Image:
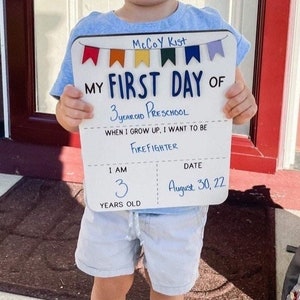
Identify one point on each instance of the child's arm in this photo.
(71, 109)
(240, 106)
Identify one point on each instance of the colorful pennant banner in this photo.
(168, 54)
(90, 53)
(117, 55)
(190, 52)
(143, 55)
(215, 48)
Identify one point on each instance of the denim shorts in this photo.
(110, 243)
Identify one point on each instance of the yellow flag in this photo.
(142, 55)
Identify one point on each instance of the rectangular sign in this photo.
(159, 137)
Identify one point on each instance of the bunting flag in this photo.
(92, 53)
(142, 55)
(190, 52)
(168, 54)
(117, 55)
(215, 47)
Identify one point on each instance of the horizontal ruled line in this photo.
(156, 124)
(155, 162)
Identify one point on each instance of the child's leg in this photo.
(172, 246)
(158, 296)
(107, 251)
(113, 288)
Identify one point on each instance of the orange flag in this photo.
(117, 55)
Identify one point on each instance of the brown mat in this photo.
(39, 223)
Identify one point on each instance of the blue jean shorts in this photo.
(110, 243)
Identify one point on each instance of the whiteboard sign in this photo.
(159, 137)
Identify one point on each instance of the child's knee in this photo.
(105, 288)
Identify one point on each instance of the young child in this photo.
(109, 243)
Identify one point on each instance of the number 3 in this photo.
(123, 189)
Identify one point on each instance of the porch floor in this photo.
(244, 254)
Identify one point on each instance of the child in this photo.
(109, 242)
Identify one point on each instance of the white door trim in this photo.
(291, 91)
(4, 70)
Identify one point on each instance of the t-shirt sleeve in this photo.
(65, 75)
(243, 45)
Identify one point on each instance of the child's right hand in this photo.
(71, 109)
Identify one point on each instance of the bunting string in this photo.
(142, 56)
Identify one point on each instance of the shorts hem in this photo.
(104, 274)
(172, 291)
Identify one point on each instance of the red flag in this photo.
(90, 53)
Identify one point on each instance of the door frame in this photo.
(291, 107)
(27, 125)
(261, 153)
(258, 153)
(3, 71)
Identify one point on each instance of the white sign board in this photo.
(159, 137)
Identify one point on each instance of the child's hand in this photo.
(71, 109)
(240, 105)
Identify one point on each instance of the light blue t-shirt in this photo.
(185, 18)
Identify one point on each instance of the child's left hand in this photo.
(240, 105)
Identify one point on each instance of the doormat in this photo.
(39, 224)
